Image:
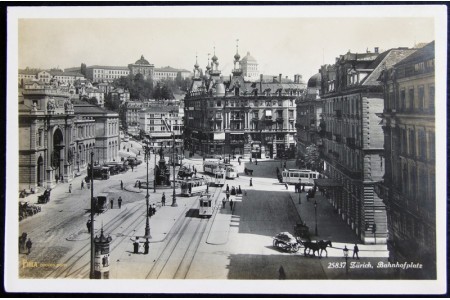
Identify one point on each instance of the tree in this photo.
(83, 69)
(112, 103)
(312, 159)
(138, 87)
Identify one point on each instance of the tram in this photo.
(205, 208)
(230, 171)
(193, 186)
(211, 166)
(219, 178)
(306, 176)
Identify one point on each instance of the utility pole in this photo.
(92, 217)
(174, 199)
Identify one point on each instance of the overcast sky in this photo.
(291, 45)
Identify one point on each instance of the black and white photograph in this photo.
(225, 149)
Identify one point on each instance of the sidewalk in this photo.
(331, 227)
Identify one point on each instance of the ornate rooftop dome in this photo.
(314, 81)
(248, 58)
(142, 61)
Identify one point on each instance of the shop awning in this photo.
(327, 183)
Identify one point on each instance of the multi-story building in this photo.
(249, 68)
(56, 137)
(46, 136)
(353, 147)
(143, 67)
(309, 113)
(107, 141)
(240, 117)
(120, 94)
(96, 93)
(165, 73)
(106, 73)
(160, 122)
(408, 187)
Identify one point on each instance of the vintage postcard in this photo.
(226, 149)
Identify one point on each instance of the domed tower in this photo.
(215, 73)
(143, 67)
(237, 71)
(196, 70)
(249, 67)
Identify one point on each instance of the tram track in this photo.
(66, 267)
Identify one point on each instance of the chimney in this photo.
(260, 82)
(274, 79)
(376, 49)
(279, 76)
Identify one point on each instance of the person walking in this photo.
(223, 202)
(228, 188)
(251, 182)
(82, 184)
(281, 273)
(121, 185)
(154, 208)
(89, 226)
(119, 201)
(256, 161)
(112, 203)
(29, 244)
(163, 199)
(239, 161)
(231, 204)
(70, 188)
(228, 195)
(355, 251)
(286, 185)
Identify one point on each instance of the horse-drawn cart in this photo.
(45, 197)
(286, 241)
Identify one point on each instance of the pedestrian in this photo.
(70, 188)
(163, 199)
(231, 204)
(239, 190)
(119, 201)
(250, 159)
(223, 202)
(89, 226)
(139, 183)
(228, 188)
(132, 168)
(296, 187)
(195, 172)
(29, 244)
(228, 196)
(121, 185)
(112, 203)
(82, 184)
(303, 187)
(286, 185)
(355, 251)
(251, 182)
(154, 208)
(207, 188)
(281, 273)
(256, 161)
(56, 178)
(239, 160)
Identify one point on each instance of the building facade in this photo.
(309, 114)
(143, 67)
(239, 117)
(106, 73)
(408, 188)
(160, 122)
(353, 150)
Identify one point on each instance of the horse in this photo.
(314, 246)
(323, 244)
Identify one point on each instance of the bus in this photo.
(306, 176)
(205, 206)
(193, 186)
(219, 177)
(230, 171)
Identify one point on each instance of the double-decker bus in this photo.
(306, 176)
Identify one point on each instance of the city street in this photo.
(232, 244)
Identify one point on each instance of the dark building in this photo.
(408, 187)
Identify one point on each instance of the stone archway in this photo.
(58, 153)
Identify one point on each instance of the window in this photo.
(421, 94)
(411, 99)
(431, 98)
(402, 99)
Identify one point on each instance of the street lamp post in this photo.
(154, 170)
(147, 197)
(315, 213)
(346, 260)
(174, 199)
